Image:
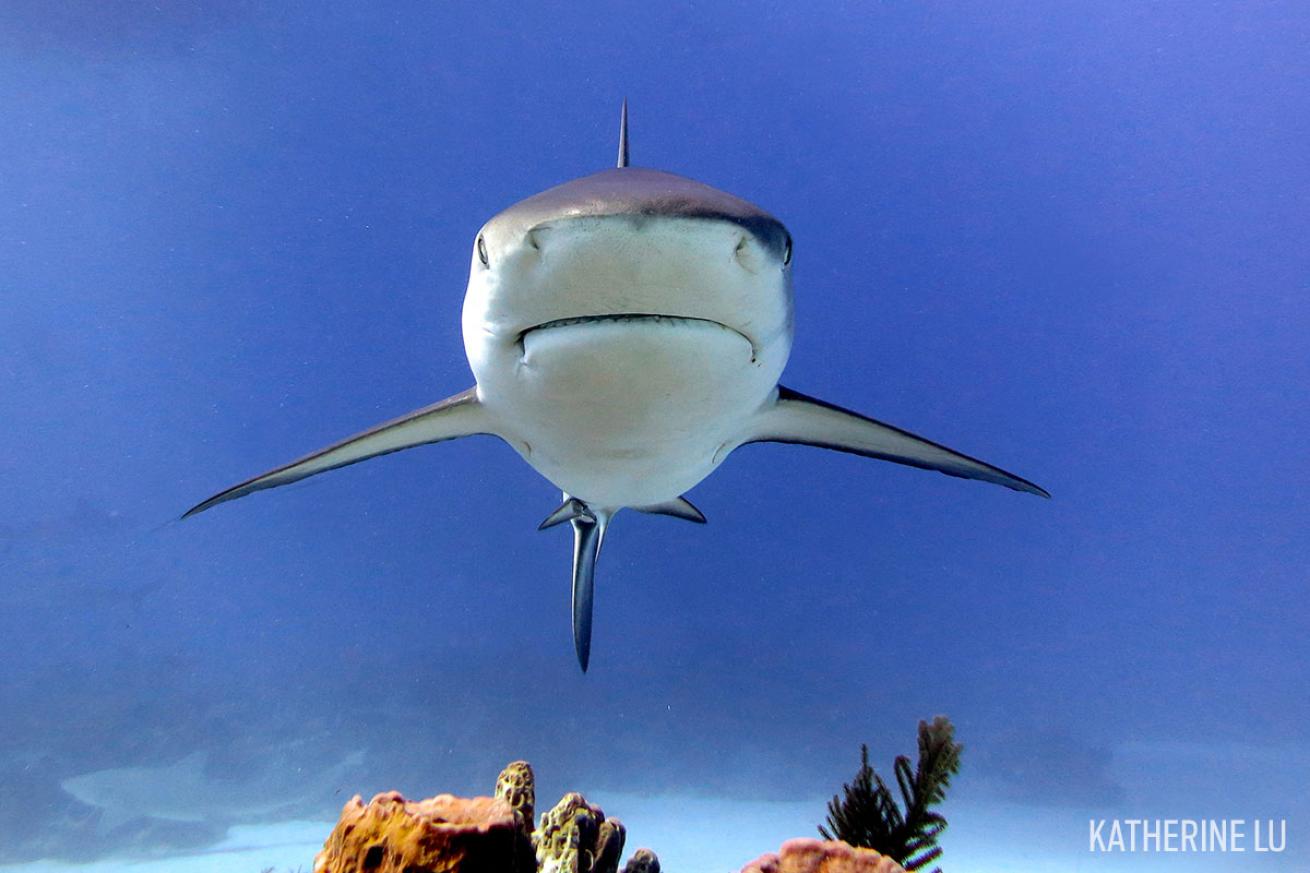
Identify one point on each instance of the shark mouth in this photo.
(638, 318)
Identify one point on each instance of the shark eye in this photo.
(482, 252)
(786, 251)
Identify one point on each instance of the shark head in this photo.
(622, 324)
(603, 263)
(629, 242)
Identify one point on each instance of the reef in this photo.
(808, 855)
(499, 834)
(642, 861)
(575, 837)
(448, 834)
(517, 786)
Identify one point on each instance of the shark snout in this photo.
(624, 234)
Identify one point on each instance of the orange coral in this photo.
(443, 834)
(818, 856)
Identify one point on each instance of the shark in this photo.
(185, 791)
(627, 331)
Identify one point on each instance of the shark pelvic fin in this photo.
(796, 418)
(588, 534)
(457, 416)
(678, 507)
(570, 509)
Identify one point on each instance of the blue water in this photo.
(1066, 238)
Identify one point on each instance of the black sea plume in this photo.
(867, 815)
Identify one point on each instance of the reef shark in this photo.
(184, 792)
(626, 332)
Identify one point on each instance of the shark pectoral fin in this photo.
(588, 534)
(796, 418)
(457, 416)
(678, 507)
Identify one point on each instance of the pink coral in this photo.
(817, 856)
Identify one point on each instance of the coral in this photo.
(868, 816)
(444, 834)
(815, 856)
(642, 861)
(448, 834)
(575, 837)
(517, 787)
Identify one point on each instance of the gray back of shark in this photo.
(627, 331)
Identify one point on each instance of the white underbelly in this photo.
(618, 414)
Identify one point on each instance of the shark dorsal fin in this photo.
(623, 135)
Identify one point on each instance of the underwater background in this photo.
(1067, 238)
